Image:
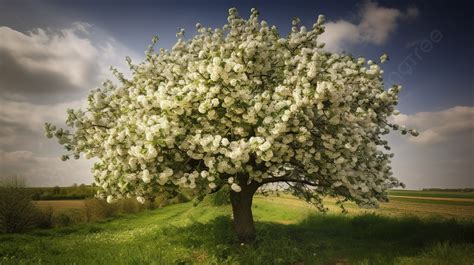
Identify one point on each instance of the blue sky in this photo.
(429, 44)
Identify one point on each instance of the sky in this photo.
(53, 52)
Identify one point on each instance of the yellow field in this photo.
(393, 208)
(397, 208)
(61, 205)
(434, 198)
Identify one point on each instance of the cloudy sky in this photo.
(53, 52)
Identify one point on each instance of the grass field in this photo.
(289, 232)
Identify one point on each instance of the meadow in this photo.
(410, 229)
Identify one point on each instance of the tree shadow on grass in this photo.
(323, 239)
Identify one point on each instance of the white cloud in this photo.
(46, 65)
(375, 25)
(42, 73)
(442, 155)
(436, 127)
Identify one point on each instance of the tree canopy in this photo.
(240, 105)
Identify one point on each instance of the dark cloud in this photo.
(9, 128)
(38, 86)
(46, 66)
(44, 170)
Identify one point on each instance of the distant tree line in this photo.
(74, 192)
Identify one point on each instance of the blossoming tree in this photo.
(240, 106)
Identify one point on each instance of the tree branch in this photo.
(286, 179)
(100, 126)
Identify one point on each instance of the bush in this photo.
(161, 201)
(68, 217)
(128, 205)
(148, 205)
(62, 193)
(44, 217)
(96, 209)
(52, 197)
(17, 211)
(179, 198)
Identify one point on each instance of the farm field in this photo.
(432, 194)
(289, 232)
(416, 203)
(61, 204)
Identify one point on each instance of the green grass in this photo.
(289, 232)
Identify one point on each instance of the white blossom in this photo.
(140, 199)
(235, 187)
(110, 199)
(242, 102)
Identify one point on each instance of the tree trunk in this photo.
(242, 211)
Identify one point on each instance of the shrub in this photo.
(128, 205)
(68, 217)
(17, 211)
(44, 217)
(98, 209)
(51, 197)
(161, 200)
(149, 205)
(62, 219)
(179, 198)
